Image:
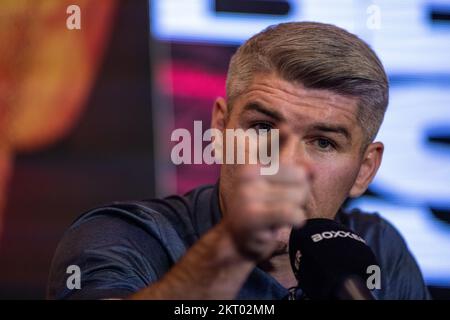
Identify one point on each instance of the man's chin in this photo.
(282, 248)
(270, 263)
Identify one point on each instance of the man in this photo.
(326, 92)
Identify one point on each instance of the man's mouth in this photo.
(282, 248)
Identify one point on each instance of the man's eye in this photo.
(324, 144)
(262, 126)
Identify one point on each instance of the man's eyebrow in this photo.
(333, 129)
(256, 106)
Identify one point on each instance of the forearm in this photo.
(212, 269)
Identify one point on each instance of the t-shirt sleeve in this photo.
(115, 256)
(404, 280)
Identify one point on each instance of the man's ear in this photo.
(369, 167)
(219, 114)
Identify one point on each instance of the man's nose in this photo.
(293, 152)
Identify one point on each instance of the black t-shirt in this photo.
(124, 247)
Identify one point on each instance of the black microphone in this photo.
(330, 261)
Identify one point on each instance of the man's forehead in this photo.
(293, 100)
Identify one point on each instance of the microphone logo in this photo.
(335, 234)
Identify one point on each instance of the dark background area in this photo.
(107, 157)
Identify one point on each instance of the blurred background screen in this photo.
(412, 189)
(75, 125)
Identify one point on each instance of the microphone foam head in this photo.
(323, 253)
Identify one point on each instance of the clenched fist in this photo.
(261, 206)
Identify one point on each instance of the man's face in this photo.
(318, 130)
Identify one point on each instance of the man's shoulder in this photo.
(128, 243)
(179, 214)
(368, 224)
(400, 275)
(383, 237)
(380, 235)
